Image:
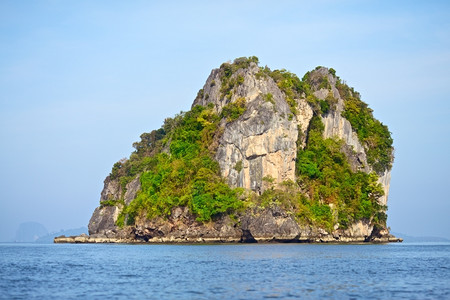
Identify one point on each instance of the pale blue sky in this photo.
(81, 80)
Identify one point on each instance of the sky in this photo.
(80, 81)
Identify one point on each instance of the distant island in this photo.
(261, 156)
(34, 232)
(29, 232)
(49, 238)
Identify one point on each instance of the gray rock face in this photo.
(103, 221)
(271, 225)
(104, 218)
(262, 142)
(182, 226)
(385, 181)
(131, 190)
(111, 190)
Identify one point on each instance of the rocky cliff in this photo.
(262, 156)
(264, 140)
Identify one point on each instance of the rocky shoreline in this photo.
(85, 239)
(269, 225)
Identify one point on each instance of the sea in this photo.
(225, 271)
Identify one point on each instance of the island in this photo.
(262, 156)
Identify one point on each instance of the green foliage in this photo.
(292, 105)
(319, 106)
(234, 110)
(314, 103)
(290, 197)
(148, 142)
(324, 83)
(226, 89)
(268, 179)
(375, 136)
(321, 215)
(324, 106)
(291, 85)
(228, 69)
(239, 63)
(307, 166)
(185, 176)
(332, 71)
(200, 93)
(240, 79)
(263, 72)
(139, 160)
(331, 101)
(244, 62)
(324, 172)
(120, 220)
(111, 203)
(285, 197)
(211, 196)
(294, 88)
(269, 98)
(238, 167)
(345, 91)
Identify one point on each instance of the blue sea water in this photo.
(249, 271)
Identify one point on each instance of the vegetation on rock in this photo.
(234, 110)
(183, 175)
(375, 136)
(327, 179)
(177, 167)
(228, 69)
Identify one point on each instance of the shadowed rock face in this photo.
(260, 143)
(104, 218)
(103, 221)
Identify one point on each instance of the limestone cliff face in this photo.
(258, 146)
(262, 142)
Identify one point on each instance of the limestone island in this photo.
(262, 156)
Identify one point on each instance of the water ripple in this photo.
(273, 271)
